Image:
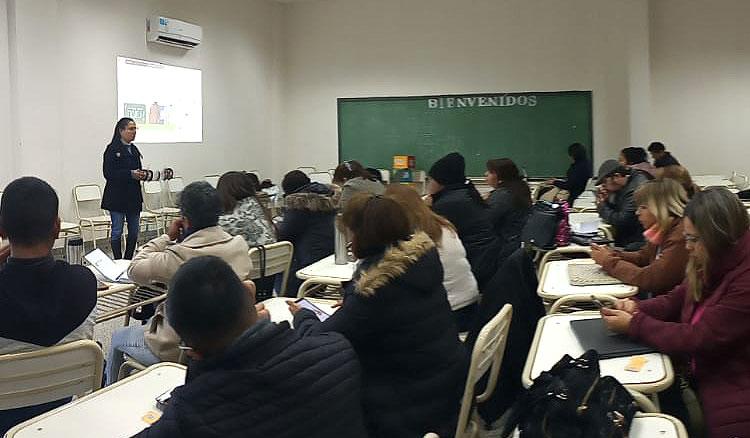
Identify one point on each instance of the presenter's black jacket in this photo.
(270, 383)
(122, 192)
(578, 176)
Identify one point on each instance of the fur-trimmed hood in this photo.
(395, 263)
(313, 197)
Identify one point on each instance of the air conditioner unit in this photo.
(173, 32)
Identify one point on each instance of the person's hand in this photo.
(550, 181)
(601, 195)
(4, 253)
(141, 175)
(600, 253)
(486, 196)
(175, 229)
(263, 313)
(339, 303)
(617, 320)
(627, 305)
(428, 200)
(250, 286)
(293, 307)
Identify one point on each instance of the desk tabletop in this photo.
(113, 412)
(327, 268)
(554, 338)
(555, 283)
(279, 309)
(651, 426)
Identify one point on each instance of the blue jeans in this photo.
(118, 220)
(130, 341)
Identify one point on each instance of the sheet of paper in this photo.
(107, 267)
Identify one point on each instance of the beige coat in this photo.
(159, 260)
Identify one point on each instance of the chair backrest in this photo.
(152, 195)
(320, 177)
(487, 354)
(307, 169)
(88, 199)
(174, 189)
(278, 261)
(579, 302)
(212, 179)
(50, 374)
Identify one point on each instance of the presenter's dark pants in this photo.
(118, 221)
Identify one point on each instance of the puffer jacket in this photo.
(309, 224)
(472, 221)
(397, 317)
(269, 383)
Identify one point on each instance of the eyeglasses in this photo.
(691, 238)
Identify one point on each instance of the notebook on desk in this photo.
(589, 274)
(594, 334)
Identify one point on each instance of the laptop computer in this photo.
(594, 334)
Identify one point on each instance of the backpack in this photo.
(542, 225)
(571, 400)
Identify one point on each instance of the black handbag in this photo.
(572, 401)
(263, 284)
(541, 227)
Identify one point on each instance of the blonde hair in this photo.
(721, 221)
(420, 216)
(665, 199)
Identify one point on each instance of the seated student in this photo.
(308, 222)
(459, 282)
(510, 203)
(682, 176)
(455, 198)
(396, 315)
(616, 205)
(660, 265)
(195, 234)
(243, 214)
(703, 322)
(353, 178)
(43, 301)
(635, 159)
(248, 376)
(578, 174)
(661, 157)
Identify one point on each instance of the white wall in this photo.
(62, 85)
(700, 71)
(351, 48)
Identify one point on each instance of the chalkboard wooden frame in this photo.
(584, 115)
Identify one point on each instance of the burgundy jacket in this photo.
(718, 343)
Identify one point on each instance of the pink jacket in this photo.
(718, 343)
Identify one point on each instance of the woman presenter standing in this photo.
(122, 194)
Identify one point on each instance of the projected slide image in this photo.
(164, 100)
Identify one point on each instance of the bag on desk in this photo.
(572, 401)
(541, 227)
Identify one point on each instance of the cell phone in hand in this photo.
(306, 304)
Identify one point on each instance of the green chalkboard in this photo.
(533, 129)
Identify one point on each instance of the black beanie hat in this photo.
(449, 170)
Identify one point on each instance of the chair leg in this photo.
(127, 367)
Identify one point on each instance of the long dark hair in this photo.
(507, 171)
(233, 187)
(119, 126)
(350, 169)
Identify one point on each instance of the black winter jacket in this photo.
(122, 192)
(619, 211)
(578, 176)
(270, 383)
(507, 219)
(397, 317)
(472, 221)
(309, 224)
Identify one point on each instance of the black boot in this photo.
(116, 248)
(130, 246)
